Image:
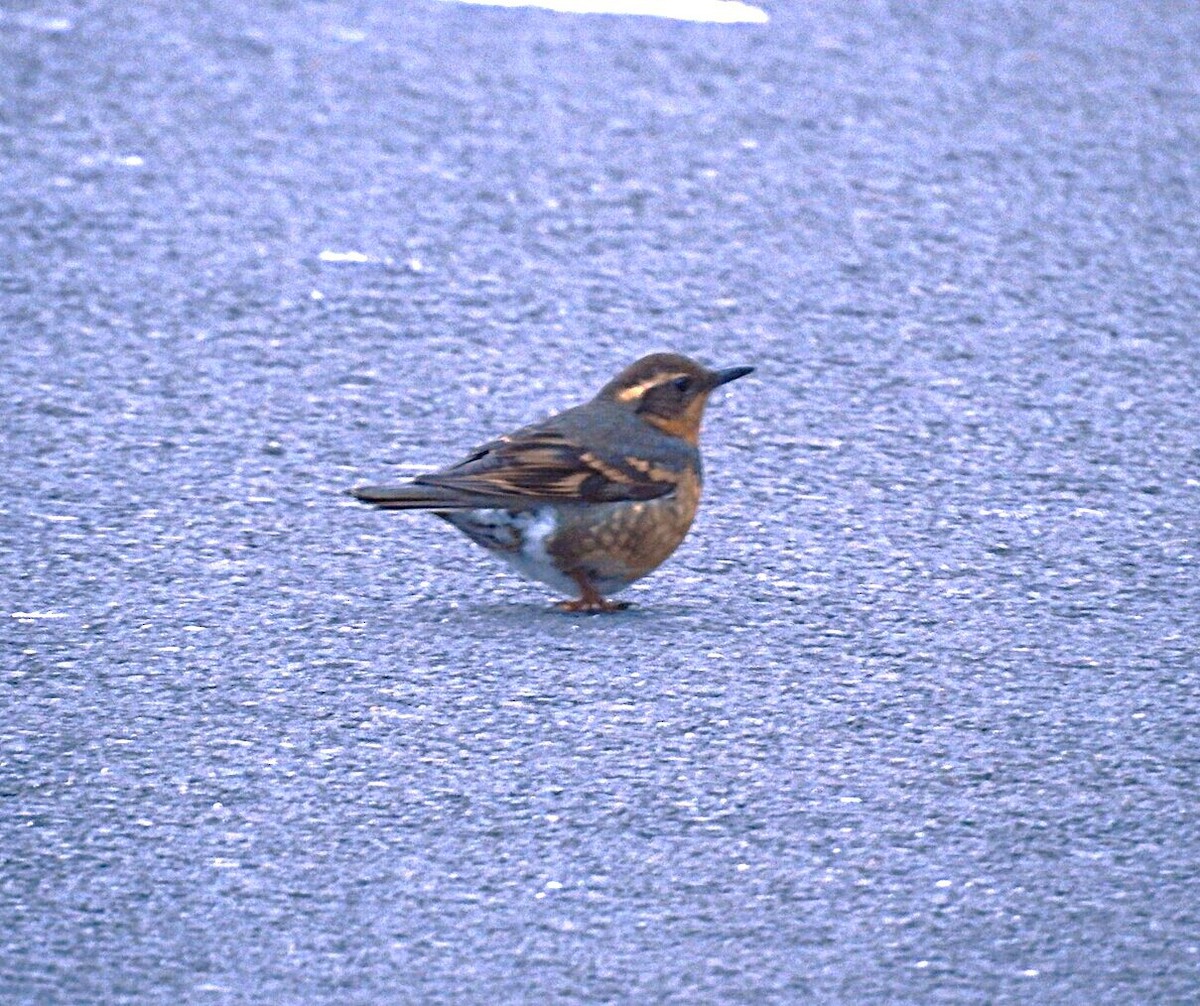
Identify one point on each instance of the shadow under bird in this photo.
(589, 500)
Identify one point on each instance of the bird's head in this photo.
(669, 391)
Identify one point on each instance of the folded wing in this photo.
(546, 465)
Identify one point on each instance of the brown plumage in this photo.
(588, 500)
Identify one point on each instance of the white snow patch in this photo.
(343, 256)
(710, 11)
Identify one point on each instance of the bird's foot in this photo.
(590, 601)
(591, 605)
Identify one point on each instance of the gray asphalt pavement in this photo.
(912, 716)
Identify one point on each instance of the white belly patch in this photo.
(519, 538)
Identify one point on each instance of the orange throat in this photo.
(686, 426)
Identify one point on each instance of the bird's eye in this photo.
(682, 383)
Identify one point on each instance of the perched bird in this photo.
(589, 500)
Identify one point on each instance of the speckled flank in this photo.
(611, 544)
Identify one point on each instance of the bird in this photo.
(591, 499)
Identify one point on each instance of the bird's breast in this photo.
(625, 541)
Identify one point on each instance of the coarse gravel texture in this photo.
(914, 714)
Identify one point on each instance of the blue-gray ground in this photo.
(912, 716)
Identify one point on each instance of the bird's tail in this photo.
(419, 497)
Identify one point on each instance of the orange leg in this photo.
(590, 600)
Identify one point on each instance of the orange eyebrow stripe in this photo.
(637, 390)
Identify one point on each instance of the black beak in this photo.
(731, 374)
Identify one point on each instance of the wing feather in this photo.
(547, 465)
